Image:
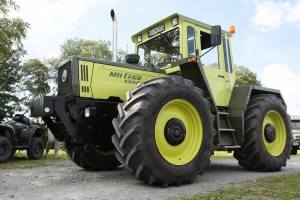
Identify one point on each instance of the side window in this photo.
(211, 57)
(191, 41)
(226, 43)
(143, 57)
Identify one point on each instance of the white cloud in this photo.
(269, 14)
(293, 15)
(280, 77)
(50, 22)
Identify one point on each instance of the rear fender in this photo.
(238, 104)
(8, 132)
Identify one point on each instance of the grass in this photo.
(21, 161)
(270, 188)
(278, 187)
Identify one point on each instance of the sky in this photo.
(267, 38)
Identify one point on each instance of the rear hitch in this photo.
(87, 148)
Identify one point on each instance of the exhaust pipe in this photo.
(114, 46)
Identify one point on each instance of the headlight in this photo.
(87, 112)
(90, 111)
(174, 21)
(139, 38)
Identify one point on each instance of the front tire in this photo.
(267, 137)
(164, 131)
(94, 160)
(35, 151)
(5, 149)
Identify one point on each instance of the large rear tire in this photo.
(267, 137)
(94, 160)
(5, 149)
(164, 131)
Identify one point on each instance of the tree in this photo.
(244, 76)
(86, 48)
(9, 78)
(35, 80)
(12, 30)
(121, 56)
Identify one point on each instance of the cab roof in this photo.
(180, 18)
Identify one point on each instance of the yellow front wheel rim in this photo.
(274, 133)
(105, 153)
(179, 112)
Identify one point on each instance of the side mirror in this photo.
(215, 37)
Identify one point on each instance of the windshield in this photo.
(295, 125)
(163, 48)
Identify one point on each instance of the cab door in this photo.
(229, 67)
(212, 63)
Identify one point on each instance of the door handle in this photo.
(220, 76)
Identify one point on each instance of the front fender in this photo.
(34, 131)
(37, 131)
(30, 133)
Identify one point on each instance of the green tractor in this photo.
(162, 114)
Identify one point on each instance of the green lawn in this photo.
(21, 161)
(284, 187)
(271, 188)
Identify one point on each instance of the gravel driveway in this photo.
(65, 180)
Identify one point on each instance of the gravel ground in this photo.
(65, 180)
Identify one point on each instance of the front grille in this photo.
(84, 73)
(65, 84)
(84, 77)
(37, 107)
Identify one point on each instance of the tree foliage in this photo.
(13, 31)
(9, 78)
(86, 48)
(35, 80)
(244, 76)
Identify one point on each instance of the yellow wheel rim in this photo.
(184, 152)
(105, 153)
(274, 144)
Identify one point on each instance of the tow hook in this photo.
(87, 148)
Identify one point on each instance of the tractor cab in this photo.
(177, 37)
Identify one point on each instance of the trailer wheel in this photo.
(95, 159)
(36, 149)
(5, 149)
(267, 137)
(164, 131)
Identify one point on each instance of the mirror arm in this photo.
(207, 51)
